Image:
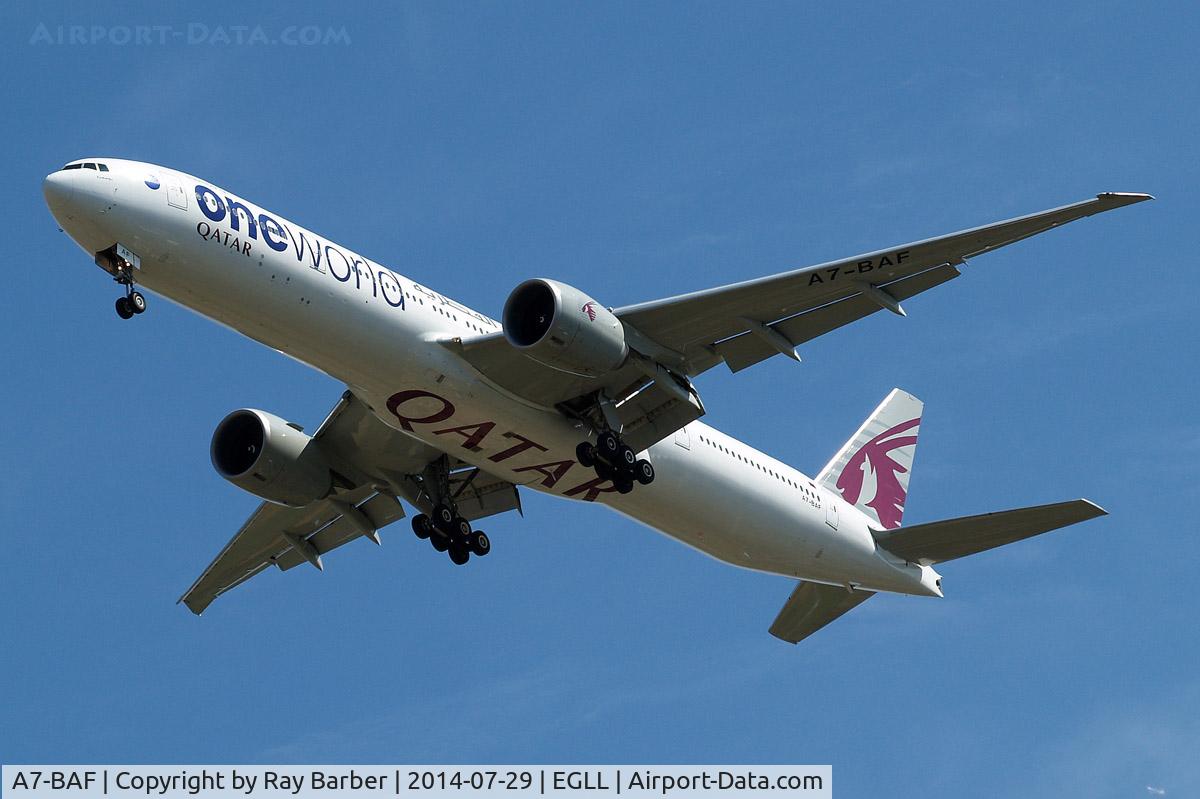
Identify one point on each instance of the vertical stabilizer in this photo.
(871, 471)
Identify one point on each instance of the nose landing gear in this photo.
(133, 303)
(120, 262)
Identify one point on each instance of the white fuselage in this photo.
(376, 331)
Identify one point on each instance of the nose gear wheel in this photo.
(134, 302)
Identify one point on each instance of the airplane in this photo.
(451, 411)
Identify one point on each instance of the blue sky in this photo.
(636, 151)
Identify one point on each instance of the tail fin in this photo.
(871, 470)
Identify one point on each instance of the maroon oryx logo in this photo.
(874, 457)
(589, 308)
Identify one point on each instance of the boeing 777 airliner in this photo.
(452, 411)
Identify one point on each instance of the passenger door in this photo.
(831, 512)
(176, 196)
(683, 439)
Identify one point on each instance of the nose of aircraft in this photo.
(59, 194)
(82, 198)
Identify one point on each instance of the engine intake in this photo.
(261, 453)
(562, 327)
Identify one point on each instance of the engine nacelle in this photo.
(261, 453)
(562, 327)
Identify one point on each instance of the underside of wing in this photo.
(673, 340)
(937, 542)
(374, 465)
(813, 605)
(745, 322)
(647, 403)
(516, 373)
(276, 535)
(747, 349)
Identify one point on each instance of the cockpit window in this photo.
(103, 167)
(89, 166)
(73, 166)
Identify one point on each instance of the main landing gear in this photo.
(133, 303)
(446, 530)
(615, 460)
(450, 533)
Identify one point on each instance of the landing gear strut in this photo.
(133, 302)
(446, 530)
(615, 460)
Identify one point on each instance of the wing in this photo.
(285, 537)
(744, 323)
(375, 466)
(813, 605)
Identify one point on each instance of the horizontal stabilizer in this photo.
(813, 605)
(937, 542)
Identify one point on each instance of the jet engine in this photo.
(261, 453)
(562, 327)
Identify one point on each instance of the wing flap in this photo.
(648, 412)
(480, 494)
(813, 605)
(655, 413)
(509, 369)
(377, 512)
(937, 542)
